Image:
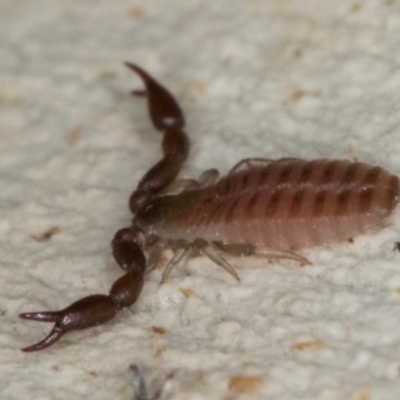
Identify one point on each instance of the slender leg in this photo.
(214, 254)
(236, 249)
(155, 255)
(255, 162)
(181, 185)
(207, 178)
(288, 255)
(241, 249)
(248, 163)
(179, 254)
(97, 309)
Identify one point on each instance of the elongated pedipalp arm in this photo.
(97, 309)
(167, 117)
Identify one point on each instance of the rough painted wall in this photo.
(270, 79)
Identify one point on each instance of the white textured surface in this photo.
(310, 78)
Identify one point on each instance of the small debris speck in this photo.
(135, 12)
(187, 292)
(45, 236)
(311, 344)
(74, 135)
(158, 329)
(241, 383)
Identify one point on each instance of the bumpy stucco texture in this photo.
(272, 79)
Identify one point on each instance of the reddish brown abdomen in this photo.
(286, 205)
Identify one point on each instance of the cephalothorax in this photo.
(265, 207)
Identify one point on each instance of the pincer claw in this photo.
(85, 313)
(51, 338)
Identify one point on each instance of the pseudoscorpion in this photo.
(268, 207)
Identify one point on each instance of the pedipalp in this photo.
(167, 117)
(128, 243)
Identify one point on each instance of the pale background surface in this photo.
(310, 79)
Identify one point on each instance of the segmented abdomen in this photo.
(287, 204)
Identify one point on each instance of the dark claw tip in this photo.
(131, 65)
(51, 338)
(142, 73)
(42, 316)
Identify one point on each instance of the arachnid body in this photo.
(272, 208)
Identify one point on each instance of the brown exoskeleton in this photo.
(266, 207)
